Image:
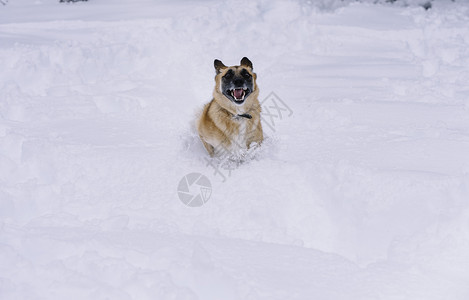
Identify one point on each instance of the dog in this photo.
(231, 121)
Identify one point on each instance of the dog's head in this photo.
(235, 85)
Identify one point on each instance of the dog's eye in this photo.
(245, 74)
(229, 74)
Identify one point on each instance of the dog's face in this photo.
(235, 83)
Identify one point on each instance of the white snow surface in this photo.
(361, 191)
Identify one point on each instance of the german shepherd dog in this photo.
(231, 121)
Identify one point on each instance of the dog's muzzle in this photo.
(238, 94)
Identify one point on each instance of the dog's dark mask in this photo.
(237, 84)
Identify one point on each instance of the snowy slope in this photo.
(360, 191)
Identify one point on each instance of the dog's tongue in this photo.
(238, 93)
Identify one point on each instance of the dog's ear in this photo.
(219, 66)
(246, 62)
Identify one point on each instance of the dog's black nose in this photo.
(238, 82)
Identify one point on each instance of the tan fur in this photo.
(220, 128)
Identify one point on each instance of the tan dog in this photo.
(231, 121)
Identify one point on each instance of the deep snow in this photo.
(361, 192)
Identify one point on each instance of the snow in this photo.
(360, 190)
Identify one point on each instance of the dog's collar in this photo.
(247, 116)
(237, 116)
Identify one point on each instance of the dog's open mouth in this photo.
(238, 95)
